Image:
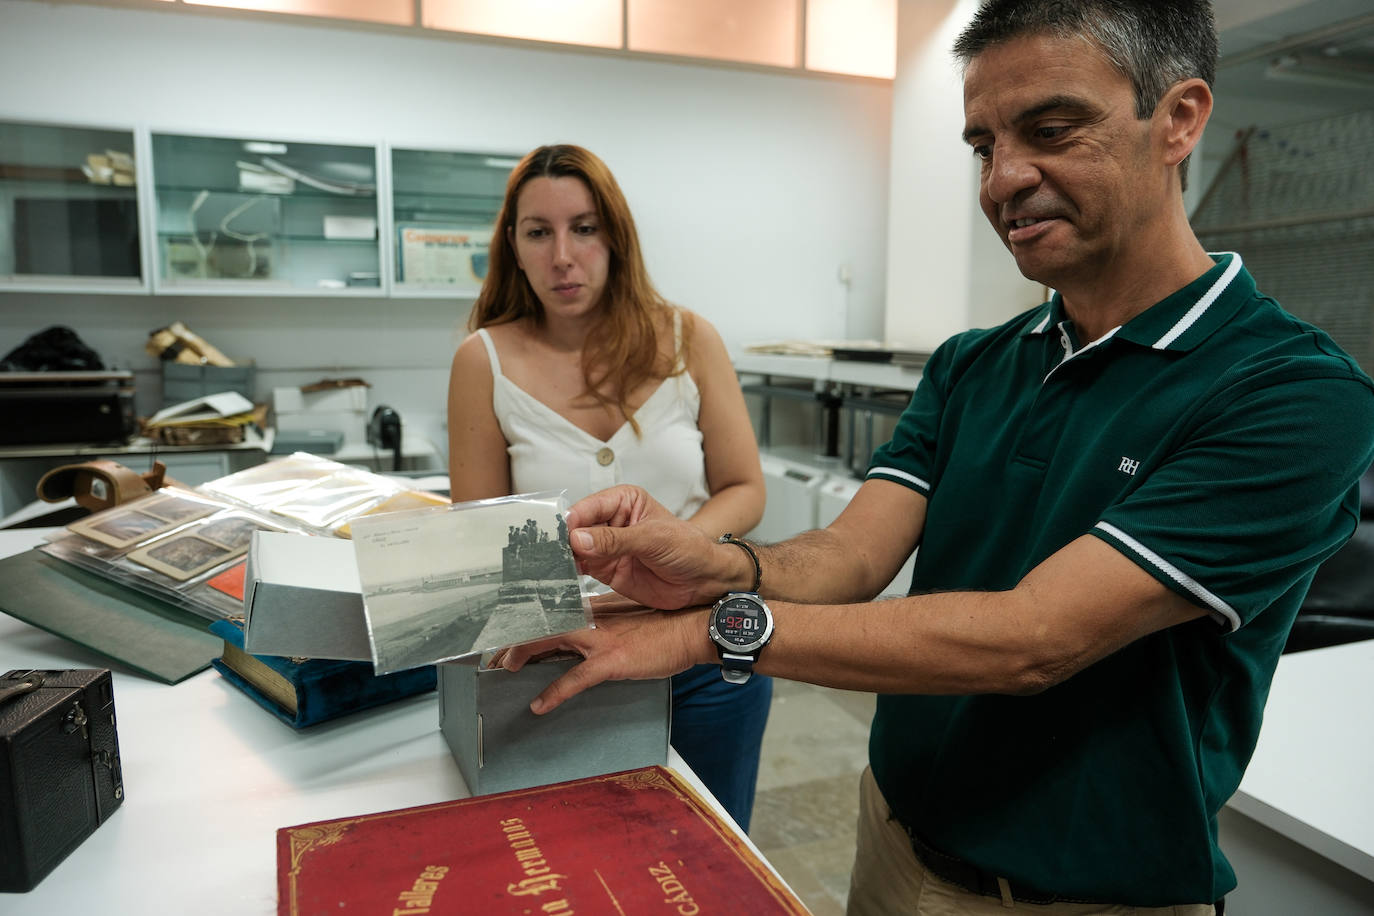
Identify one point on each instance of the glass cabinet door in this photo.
(68, 208)
(249, 214)
(444, 205)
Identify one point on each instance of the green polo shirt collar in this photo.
(1180, 321)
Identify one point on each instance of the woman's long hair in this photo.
(622, 351)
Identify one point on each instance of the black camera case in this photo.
(60, 774)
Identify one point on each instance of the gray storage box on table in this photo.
(499, 744)
(184, 382)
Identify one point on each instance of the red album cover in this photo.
(641, 841)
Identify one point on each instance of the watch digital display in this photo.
(740, 622)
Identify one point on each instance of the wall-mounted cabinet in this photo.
(205, 215)
(236, 215)
(69, 214)
(444, 205)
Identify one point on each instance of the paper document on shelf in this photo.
(210, 407)
(443, 254)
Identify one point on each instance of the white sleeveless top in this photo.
(548, 452)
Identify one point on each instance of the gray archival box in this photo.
(302, 598)
(499, 744)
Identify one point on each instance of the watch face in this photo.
(741, 622)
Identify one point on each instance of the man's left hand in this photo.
(623, 645)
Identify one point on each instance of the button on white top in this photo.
(605, 456)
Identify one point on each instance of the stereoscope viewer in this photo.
(60, 774)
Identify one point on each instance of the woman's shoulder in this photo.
(504, 337)
(471, 356)
(703, 348)
(696, 331)
(475, 353)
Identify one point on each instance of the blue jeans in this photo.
(718, 729)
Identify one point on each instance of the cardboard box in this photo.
(302, 598)
(333, 410)
(292, 400)
(314, 441)
(499, 744)
(182, 382)
(348, 425)
(349, 227)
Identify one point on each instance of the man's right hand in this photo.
(622, 537)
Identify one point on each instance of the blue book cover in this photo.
(302, 692)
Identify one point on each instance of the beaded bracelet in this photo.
(747, 548)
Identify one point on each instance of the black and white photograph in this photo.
(176, 507)
(183, 556)
(233, 531)
(119, 529)
(445, 583)
(133, 523)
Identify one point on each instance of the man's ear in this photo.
(1182, 115)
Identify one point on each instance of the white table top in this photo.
(820, 368)
(1312, 776)
(209, 776)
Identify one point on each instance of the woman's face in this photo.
(560, 244)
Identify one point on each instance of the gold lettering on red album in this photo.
(539, 877)
(674, 891)
(418, 899)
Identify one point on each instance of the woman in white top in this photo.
(581, 376)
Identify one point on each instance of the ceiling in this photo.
(1287, 61)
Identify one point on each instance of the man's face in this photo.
(1070, 177)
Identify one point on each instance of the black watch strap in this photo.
(736, 669)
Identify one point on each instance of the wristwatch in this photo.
(741, 625)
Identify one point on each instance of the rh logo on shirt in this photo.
(1128, 466)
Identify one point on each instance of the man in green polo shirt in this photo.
(1120, 499)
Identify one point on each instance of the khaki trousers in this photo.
(888, 879)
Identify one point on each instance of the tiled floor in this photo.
(814, 749)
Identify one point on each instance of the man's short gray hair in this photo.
(1153, 44)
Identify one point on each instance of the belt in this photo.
(977, 880)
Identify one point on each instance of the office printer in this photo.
(79, 408)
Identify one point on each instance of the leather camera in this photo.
(60, 774)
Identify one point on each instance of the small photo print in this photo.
(232, 532)
(172, 508)
(444, 583)
(138, 521)
(182, 556)
(118, 529)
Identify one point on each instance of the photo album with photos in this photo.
(188, 546)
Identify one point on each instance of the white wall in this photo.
(750, 188)
(946, 269)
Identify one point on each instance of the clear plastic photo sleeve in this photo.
(457, 581)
